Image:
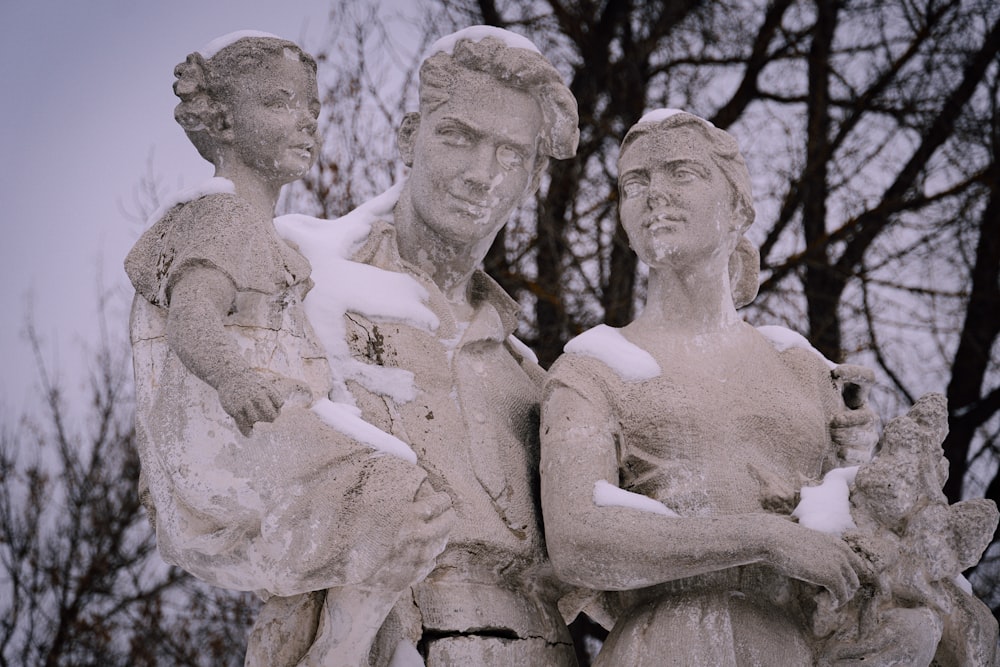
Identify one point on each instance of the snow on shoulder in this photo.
(343, 286)
(213, 186)
(608, 345)
(222, 42)
(785, 339)
(478, 33)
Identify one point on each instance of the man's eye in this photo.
(509, 157)
(454, 137)
(633, 188)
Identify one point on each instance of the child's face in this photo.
(274, 112)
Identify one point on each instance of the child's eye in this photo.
(685, 174)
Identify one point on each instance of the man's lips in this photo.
(475, 207)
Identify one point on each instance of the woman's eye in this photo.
(509, 157)
(684, 174)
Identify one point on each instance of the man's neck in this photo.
(449, 264)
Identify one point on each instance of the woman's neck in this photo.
(688, 300)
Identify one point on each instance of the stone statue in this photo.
(920, 609)
(449, 378)
(254, 478)
(675, 451)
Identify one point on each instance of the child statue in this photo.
(254, 479)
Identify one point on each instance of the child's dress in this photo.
(297, 506)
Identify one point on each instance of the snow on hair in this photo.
(519, 68)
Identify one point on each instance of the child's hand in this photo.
(250, 397)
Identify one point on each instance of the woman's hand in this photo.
(855, 430)
(814, 557)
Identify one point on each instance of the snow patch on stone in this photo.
(213, 186)
(608, 345)
(223, 41)
(783, 339)
(827, 507)
(478, 33)
(347, 419)
(343, 286)
(609, 495)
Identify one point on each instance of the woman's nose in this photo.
(307, 122)
(659, 192)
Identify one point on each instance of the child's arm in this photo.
(199, 301)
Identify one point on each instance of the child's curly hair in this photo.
(206, 85)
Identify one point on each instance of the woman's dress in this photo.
(732, 428)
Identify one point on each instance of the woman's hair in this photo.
(514, 67)
(205, 86)
(720, 146)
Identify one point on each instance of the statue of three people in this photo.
(382, 483)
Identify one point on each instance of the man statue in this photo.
(492, 112)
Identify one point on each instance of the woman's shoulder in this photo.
(794, 349)
(603, 356)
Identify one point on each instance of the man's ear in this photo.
(406, 138)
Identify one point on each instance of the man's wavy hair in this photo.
(205, 86)
(517, 68)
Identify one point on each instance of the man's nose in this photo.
(482, 167)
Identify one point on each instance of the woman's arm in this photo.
(619, 548)
(199, 300)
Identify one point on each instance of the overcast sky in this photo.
(85, 100)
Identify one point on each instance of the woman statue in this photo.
(673, 449)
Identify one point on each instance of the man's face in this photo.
(675, 202)
(473, 159)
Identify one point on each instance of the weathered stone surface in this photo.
(722, 425)
(451, 381)
(251, 485)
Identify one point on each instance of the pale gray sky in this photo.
(85, 99)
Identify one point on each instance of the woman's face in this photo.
(273, 113)
(676, 204)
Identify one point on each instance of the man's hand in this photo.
(422, 536)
